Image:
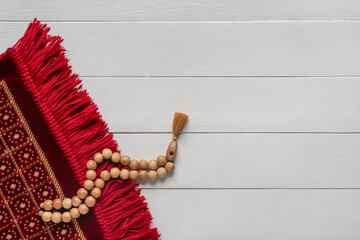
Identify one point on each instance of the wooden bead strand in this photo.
(57, 203)
(115, 172)
(67, 203)
(66, 217)
(124, 174)
(76, 201)
(96, 192)
(67, 209)
(99, 183)
(64, 210)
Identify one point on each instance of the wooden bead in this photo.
(125, 160)
(115, 172)
(66, 217)
(82, 193)
(116, 157)
(98, 158)
(161, 160)
(46, 216)
(90, 201)
(171, 151)
(76, 201)
(57, 203)
(169, 166)
(42, 205)
(96, 192)
(107, 153)
(161, 172)
(105, 175)
(91, 165)
(153, 165)
(67, 203)
(152, 175)
(134, 164)
(99, 183)
(124, 174)
(56, 217)
(88, 185)
(48, 205)
(143, 164)
(143, 174)
(90, 174)
(134, 174)
(83, 209)
(41, 212)
(74, 213)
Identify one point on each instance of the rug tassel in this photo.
(79, 129)
(179, 122)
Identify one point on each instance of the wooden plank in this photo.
(163, 10)
(256, 214)
(229, 104)
(253, 160)
(207, 48)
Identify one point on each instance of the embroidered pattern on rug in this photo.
(26, 179)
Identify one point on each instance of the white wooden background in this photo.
(272, 88)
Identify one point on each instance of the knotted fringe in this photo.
(127, 207)
(78, 128)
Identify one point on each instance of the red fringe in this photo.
(79, 129)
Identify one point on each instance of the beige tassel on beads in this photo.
(178, 124)
(50, 210)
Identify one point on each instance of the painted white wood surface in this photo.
(272, 88)
(256, 214)
(207, 48)
(253, 160)
(173, 10)
(229, 104)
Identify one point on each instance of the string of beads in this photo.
(64, 210)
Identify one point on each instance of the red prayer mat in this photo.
(49, 129)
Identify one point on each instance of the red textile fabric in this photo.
(49, 129)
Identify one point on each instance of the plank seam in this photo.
(239, 76)
(179, 21)
(236, 133)
(261, 189)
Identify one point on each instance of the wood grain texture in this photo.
(256, 214)
(253, 160)
(207, 48)
(229, 104)
(272, 89)
(172, 10)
